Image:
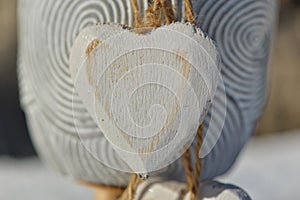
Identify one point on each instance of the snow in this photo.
(268, 169)
(28, 179)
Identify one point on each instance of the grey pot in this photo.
(242, 31)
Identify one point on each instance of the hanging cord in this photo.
(193, 174)
(129, 193)
(162, 12)
(189, 10)
(136, 11)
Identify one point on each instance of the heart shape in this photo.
(147, 89)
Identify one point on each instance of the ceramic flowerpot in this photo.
(62, 129)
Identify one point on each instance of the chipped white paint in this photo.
(147, 89)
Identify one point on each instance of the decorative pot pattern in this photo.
(242, 31)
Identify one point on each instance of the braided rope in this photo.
(193, 175)
(190, 11)
(136, 11)
(128, 194)
(162, 12)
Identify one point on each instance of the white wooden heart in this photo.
(147, 89)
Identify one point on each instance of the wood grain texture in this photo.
(147, 94)
(47, 30)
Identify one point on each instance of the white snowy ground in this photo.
(268, 169)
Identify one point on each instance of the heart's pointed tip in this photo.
(144, 176)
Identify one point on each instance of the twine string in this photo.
(193, 175)
(168, 11)
(189, 10)
(153, 14)
(136, 11)
(162, 12)
(130, 191)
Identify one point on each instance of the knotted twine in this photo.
(161, 12)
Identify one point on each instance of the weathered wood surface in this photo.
(147, 93)
(242, 31)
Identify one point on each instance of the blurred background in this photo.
(274, 150)
(14, 139)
